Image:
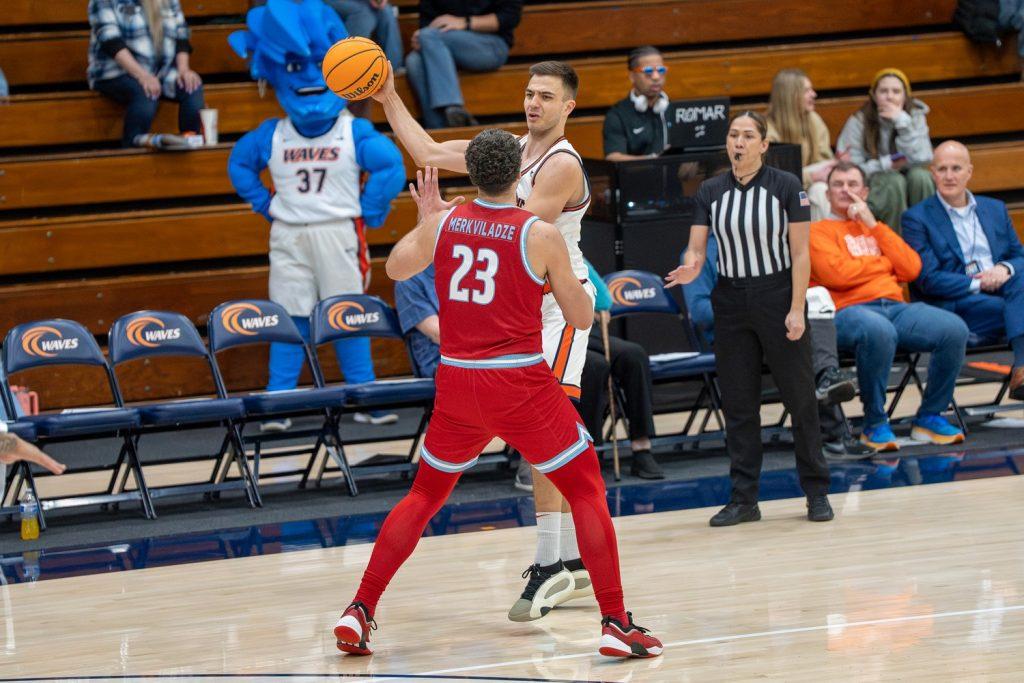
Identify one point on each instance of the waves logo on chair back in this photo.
(349, 316)
(627, 291)
(244, 318)
(149, 332)
(44, 341)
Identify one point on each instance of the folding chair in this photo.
(348, 316)
(46, 343)
(147, 334)
(255, 321)
(640, 292)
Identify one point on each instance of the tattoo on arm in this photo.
(8, 442)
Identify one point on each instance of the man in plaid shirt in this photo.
(139, 52)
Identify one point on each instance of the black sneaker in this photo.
(645, 466)
(457, 117)
(545, 588)
(818, 508)
(736, 513)
(835, 386)
(847, 448)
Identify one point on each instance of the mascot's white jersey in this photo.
(568, 222)
(316, 180)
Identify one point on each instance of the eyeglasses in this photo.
(651, 70)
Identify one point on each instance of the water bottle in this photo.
(29, 509)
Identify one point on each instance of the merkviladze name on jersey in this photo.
(481, 228)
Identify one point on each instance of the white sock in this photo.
(569, 549)
(548, 531)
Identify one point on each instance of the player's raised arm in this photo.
(549, 258)
(415, 251)
(425, 150)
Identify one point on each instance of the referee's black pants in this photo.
(750, 325)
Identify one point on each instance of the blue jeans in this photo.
(286, 360)
(432, 68)
(361, 19)
(140, 110)
(874, 330)
(4, 90)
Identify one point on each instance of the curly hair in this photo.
(493, 158)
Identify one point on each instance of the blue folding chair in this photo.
(255, 321)
(147, 334)
(636, 292)
(348, 316)
(46, 343)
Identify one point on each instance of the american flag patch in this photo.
(804, 201)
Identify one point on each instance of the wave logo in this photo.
(349, 316)
(139, 335)
(627, 291)
(35, 342)
(239, 319)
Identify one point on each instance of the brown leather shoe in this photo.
(1017, 383)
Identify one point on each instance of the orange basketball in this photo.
(355, 68)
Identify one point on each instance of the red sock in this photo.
(402, 530)
(581, 483)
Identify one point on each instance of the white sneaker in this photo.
(582, 586)
(276, 425)
(377, 417)
(546, 588)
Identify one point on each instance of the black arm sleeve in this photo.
(798, 206)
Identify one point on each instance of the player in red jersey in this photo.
(491, 262)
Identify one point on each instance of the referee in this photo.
(761, 219)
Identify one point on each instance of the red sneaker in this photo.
(629, 641)
(353, 630)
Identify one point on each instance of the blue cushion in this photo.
(25, 430)
(192, 411)
(84, 423)
(294, 401)
(390, 391)
(683, 367)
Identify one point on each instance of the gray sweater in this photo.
(912, 139)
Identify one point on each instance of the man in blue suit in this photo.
(972, 262)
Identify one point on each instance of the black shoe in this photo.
(736, 513)
(835, 386)
(818, 508)
(847, 448)
(645, 466)
(458, 117)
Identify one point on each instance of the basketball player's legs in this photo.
(451, 446)
(292, 285)
(547, 431)
(557, 557)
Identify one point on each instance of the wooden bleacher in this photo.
(79, 253)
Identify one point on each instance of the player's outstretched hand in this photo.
(387, 88)
(15, 449)
(427, 194)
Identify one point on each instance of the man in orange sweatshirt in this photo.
(864, 264)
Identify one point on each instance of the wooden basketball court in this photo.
(914, 583)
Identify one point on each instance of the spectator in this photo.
(972, 260)
(416, 302)
(863, 263)
(635, 128)
(139, 52)
(1011, 18)
(631, 368)
(888, 139)
(376, 19)
(833, 386)
(792, 119)
(474, 35)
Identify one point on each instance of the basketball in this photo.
(355, 68)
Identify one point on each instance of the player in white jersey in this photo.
(554, 187)
(317, 211)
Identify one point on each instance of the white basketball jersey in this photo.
(316, 180)
(568, 222)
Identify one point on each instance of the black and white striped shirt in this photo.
(751, 222)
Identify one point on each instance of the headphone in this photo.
(640, 102)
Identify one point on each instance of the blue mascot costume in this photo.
(316, 156)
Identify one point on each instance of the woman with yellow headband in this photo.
(888, 138)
